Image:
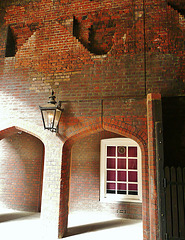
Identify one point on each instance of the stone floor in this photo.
(15, 225)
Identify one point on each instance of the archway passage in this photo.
(21, 170)
(84, 183)
(85, 180)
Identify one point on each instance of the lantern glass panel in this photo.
(57, 117)
(48, 116)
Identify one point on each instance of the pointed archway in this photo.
(123, 130)
(52, 170)
(21, 170)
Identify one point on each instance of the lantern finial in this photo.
(52, 98)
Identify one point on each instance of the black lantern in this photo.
(51, 114)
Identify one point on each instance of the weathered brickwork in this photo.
(102, 59)
(126, 32)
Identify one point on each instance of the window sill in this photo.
(114, 200)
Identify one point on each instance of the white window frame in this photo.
(105, 197)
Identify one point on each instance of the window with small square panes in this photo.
(120, 170)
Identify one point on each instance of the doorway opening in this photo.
(87, 213)
(21, 171)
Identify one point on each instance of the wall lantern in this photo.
(51, 114)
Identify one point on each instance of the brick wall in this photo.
(58, 59)
(101, 58)
(154, 115)
(21, 172)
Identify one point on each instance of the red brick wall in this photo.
(142, 43)
(154, 115)
(21, 170)
(127, 33)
